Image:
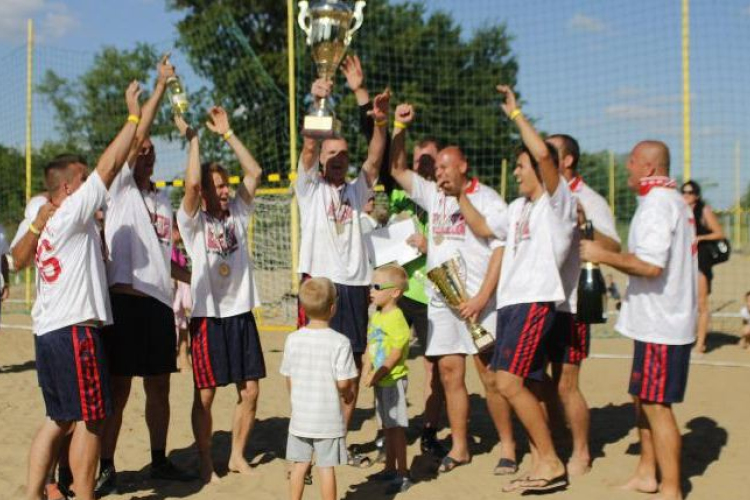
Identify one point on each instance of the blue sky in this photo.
(606, 71)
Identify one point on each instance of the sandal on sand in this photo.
(539, 485)
(505, 467)
(448, 463)
(359, 460)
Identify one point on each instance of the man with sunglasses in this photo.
(141, 342)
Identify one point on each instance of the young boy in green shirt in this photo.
(387, 349)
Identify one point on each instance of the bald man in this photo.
(658, 312)
(448, 339)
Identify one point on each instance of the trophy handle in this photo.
(358, 18)
(303, 19)
(463, 272)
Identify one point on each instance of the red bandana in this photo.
(649, 183)
(575, 183)
(473, 186)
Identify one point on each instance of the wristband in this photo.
(226, 135)
(401, 125)
(134, 119)
(34, 230)
(381, 123)
(515, 114)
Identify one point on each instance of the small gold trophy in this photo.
(447, 279)
(329, 26)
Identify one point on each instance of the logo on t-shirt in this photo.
(48, 265)
(376, 339)
(163, 227)
(449, 225)
(221, 238)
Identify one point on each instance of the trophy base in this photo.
(321, 127)
(484, 342)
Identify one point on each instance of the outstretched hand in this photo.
(381, 106)
(164, 69)
(405, 113)
(510, 103)
(352, 70)
(132, 94)
(321, 88)
(218, 120)
(183, 127)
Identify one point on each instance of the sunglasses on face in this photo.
(382, 286)
(685, 191)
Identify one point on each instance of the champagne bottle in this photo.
(177, 96)
(592, 290)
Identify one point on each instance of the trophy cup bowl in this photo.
(329, 26)
(446, 279)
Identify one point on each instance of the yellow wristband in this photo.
(402, 125)
(134, 119)
(229, 133)
(515, 114)
(34, 230)
(381, 123)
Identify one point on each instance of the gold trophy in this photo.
(329, 26)
(446, 279)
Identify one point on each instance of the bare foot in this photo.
(239, 466)
(578, 467)
(641, 484)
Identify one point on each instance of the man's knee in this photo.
(567, 385)
(508, 385)
(249, 392)
(156, 386)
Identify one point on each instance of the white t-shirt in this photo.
(71, 282)
(29, 214)
(745, 314)
(216, 245)
(538, 237)
(315, 360)
(449, 234)
(598, 212)
(331, 230)
(662, 310)
(138, 232)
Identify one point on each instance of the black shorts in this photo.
(660, 372)
(520, 342)
(226, 351)
(416, 315)
(72, 372)
(142, 341)
(350, 318)
(569, 340)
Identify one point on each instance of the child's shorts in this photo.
(390, 404)
(329, 452)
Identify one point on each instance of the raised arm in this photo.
(399, 166)
(192, 199)
(24, 250)
(376, 150)
(310, 146)
(476, 221)
(355, 78)
(163, 71)
(114, 156)
(251, 172)
(532, 140)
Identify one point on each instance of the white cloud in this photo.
(587, 24)
(633, 112)
(52, 19)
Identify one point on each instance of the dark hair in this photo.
(699, 203)
(552, 150)
(570, 147)
(209, 168)
(55, 170)
(426, 141)
(695, 187)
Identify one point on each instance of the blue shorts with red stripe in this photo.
(660, 372)
(520, 342)
(226, 351)
(569, 340)
(73, 375)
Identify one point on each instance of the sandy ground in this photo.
(713, 421)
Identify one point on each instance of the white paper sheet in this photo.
(388, 244)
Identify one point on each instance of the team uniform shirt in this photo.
(138, 233)
(597, 211)
(29, 214)
(215, 245)
(71, 282)
(449, 234)
(388, 331)
(315, 359)
(662, 310)
(538, 236)
(331, 228)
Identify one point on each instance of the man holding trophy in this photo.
(465, 267)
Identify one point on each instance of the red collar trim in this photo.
(473, 186)
(648, 183)
(575, 183)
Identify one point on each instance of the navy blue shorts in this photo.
(520, 342)
(660, 372)
(569, 340)
(226, 351)
(72, 372)
(350, 318)
(142, 340)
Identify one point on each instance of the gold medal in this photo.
(339, 228)
(437, 238)
(224, 269)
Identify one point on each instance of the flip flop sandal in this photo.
(505, 467)
(359, 460)
(541, 485)
(449, 463)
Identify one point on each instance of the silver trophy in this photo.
(329, 26)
